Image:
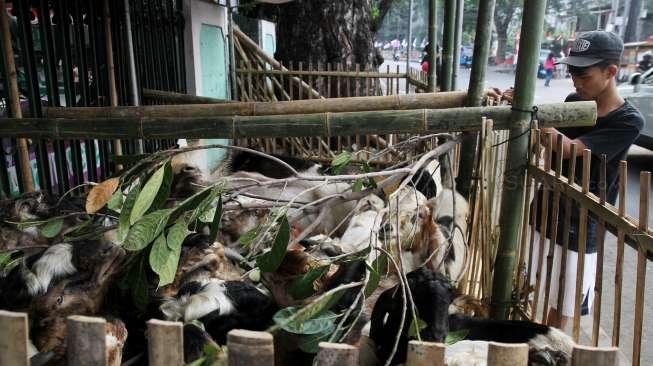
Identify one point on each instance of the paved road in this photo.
(639, 159)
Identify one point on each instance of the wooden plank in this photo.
(644, 192)
(165, 343)
(565, 237)
(425, 354)
(534, 212)
(247, 348)
(336, 354)
(619, 266)
(514, 354)
(600, 246)
(583, 355)
(582, 245)
(86, 341)
(13, 339)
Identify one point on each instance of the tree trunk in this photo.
(630, 34)
(502, 40)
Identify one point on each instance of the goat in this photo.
(221, 306)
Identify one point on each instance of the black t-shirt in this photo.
(612, 135)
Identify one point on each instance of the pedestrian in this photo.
(646, 62)
(593, 63)
(549, 67)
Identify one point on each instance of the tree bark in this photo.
(502, 40)
(630, 34)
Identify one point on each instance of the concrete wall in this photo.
(196, 13)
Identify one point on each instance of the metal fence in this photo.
(61, 58)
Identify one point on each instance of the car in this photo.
(639, 92)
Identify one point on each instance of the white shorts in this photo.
(589, 277)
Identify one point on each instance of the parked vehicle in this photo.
(639, 91)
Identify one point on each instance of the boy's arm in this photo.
(566, 142)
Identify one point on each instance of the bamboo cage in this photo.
(566, 192)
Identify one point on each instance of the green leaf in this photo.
(270, 260)
(456, 336)
(323, 303)
(164, 260)
(116, 200)
(5, 258)
(304, 286)
(86, 229)
(311, 332)
(248, 238)
(148, 194)
(146, 230)
(125, 211)
(342, 159)
(136, 281)
(339, 162)
(192, 202)
(52, 228)
(164, 191)
(358, 185)
(215, 225)
(377, 267)
(205, 204)
(177, 233)
(416, 326)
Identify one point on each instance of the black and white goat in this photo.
(432, 294)
(221, 306)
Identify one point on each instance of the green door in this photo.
(213, 61)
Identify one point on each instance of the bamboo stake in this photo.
(543, 224)
(86, 341)
(250, 348)
(582, 245)
(565, 236)
(336, 354)
(644, 192)
(113, 92)
(621, 238)
(554, 225)
(534, 211)
(14, 97)
(507, 354)
(328, 80)
(583, 355)
(598, 287)
(13, 331)
(425, 354)
(165, 343)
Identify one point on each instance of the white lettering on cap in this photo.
(581, 45)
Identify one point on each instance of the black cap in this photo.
(593, 47)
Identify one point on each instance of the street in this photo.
(639, 159)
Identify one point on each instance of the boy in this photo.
(593, 63)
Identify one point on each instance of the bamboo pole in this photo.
(449, 38)
(433, 36)
(543, 225)
(565, 235)
(513, 194)
(247, 42)
(336, 354)
(355, 104)
(318, 124)
(113, 92)
(582, 245)
(598, 287)
(554, 227)
(180, 98)
(619, 266)
(14, 97)
(507, 354)
(324, 73)
(644, 192)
